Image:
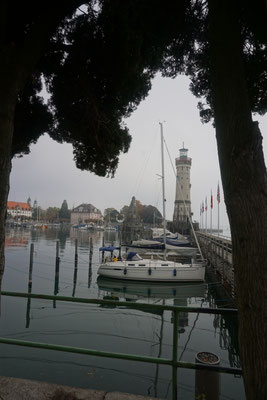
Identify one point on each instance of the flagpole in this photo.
(206, 209)
(218, 199)
(218, 219)
(211, 207)
(203, 216)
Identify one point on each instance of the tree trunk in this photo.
(17, 64)
(245, 190)
(7, 107)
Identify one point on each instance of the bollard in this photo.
(207, 383)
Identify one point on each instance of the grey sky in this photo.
(49, 174)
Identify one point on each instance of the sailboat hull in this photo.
(153, 272)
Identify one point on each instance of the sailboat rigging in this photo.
(135, 267)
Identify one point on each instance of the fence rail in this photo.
(123, 356)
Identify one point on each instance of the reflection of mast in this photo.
(190, 333)
(159, 354)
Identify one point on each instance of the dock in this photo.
(218, 251)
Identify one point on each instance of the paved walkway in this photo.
(25, 389)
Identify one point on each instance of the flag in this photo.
(206, 205)
(200, 209)
(218, 194)
(211, 200)
(202, 206)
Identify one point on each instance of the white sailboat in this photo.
(136, 268)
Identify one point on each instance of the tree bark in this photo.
(6, 134)
(244, 182)
(7, 108)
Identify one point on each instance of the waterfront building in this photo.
(182, 204)
(18, 209)
(84, 214)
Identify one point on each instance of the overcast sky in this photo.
(48, 174)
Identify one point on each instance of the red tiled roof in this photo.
(19, 204)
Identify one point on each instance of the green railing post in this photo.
(175, 354)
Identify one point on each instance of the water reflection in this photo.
(178, 294)
(146, 333)
(17, 238)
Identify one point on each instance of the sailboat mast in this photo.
(163, 188)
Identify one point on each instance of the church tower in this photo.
(182, 204)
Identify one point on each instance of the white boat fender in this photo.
(149, 271)
(125, 271)
(174, 272)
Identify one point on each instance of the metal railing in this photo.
(124, 356)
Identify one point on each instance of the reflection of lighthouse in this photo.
(183, 316)
(182, 204)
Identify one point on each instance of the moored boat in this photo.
(134, 267)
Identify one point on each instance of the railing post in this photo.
(175, 354)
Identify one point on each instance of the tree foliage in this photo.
(110, 215)
(98, 65)
(189, 54)
(97, 68)
(150, 215)
(64, 212)
(52, 214)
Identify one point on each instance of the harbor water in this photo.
(106, 328)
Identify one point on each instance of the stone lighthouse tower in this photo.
(182, 204)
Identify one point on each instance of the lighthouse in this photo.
(182, 204)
